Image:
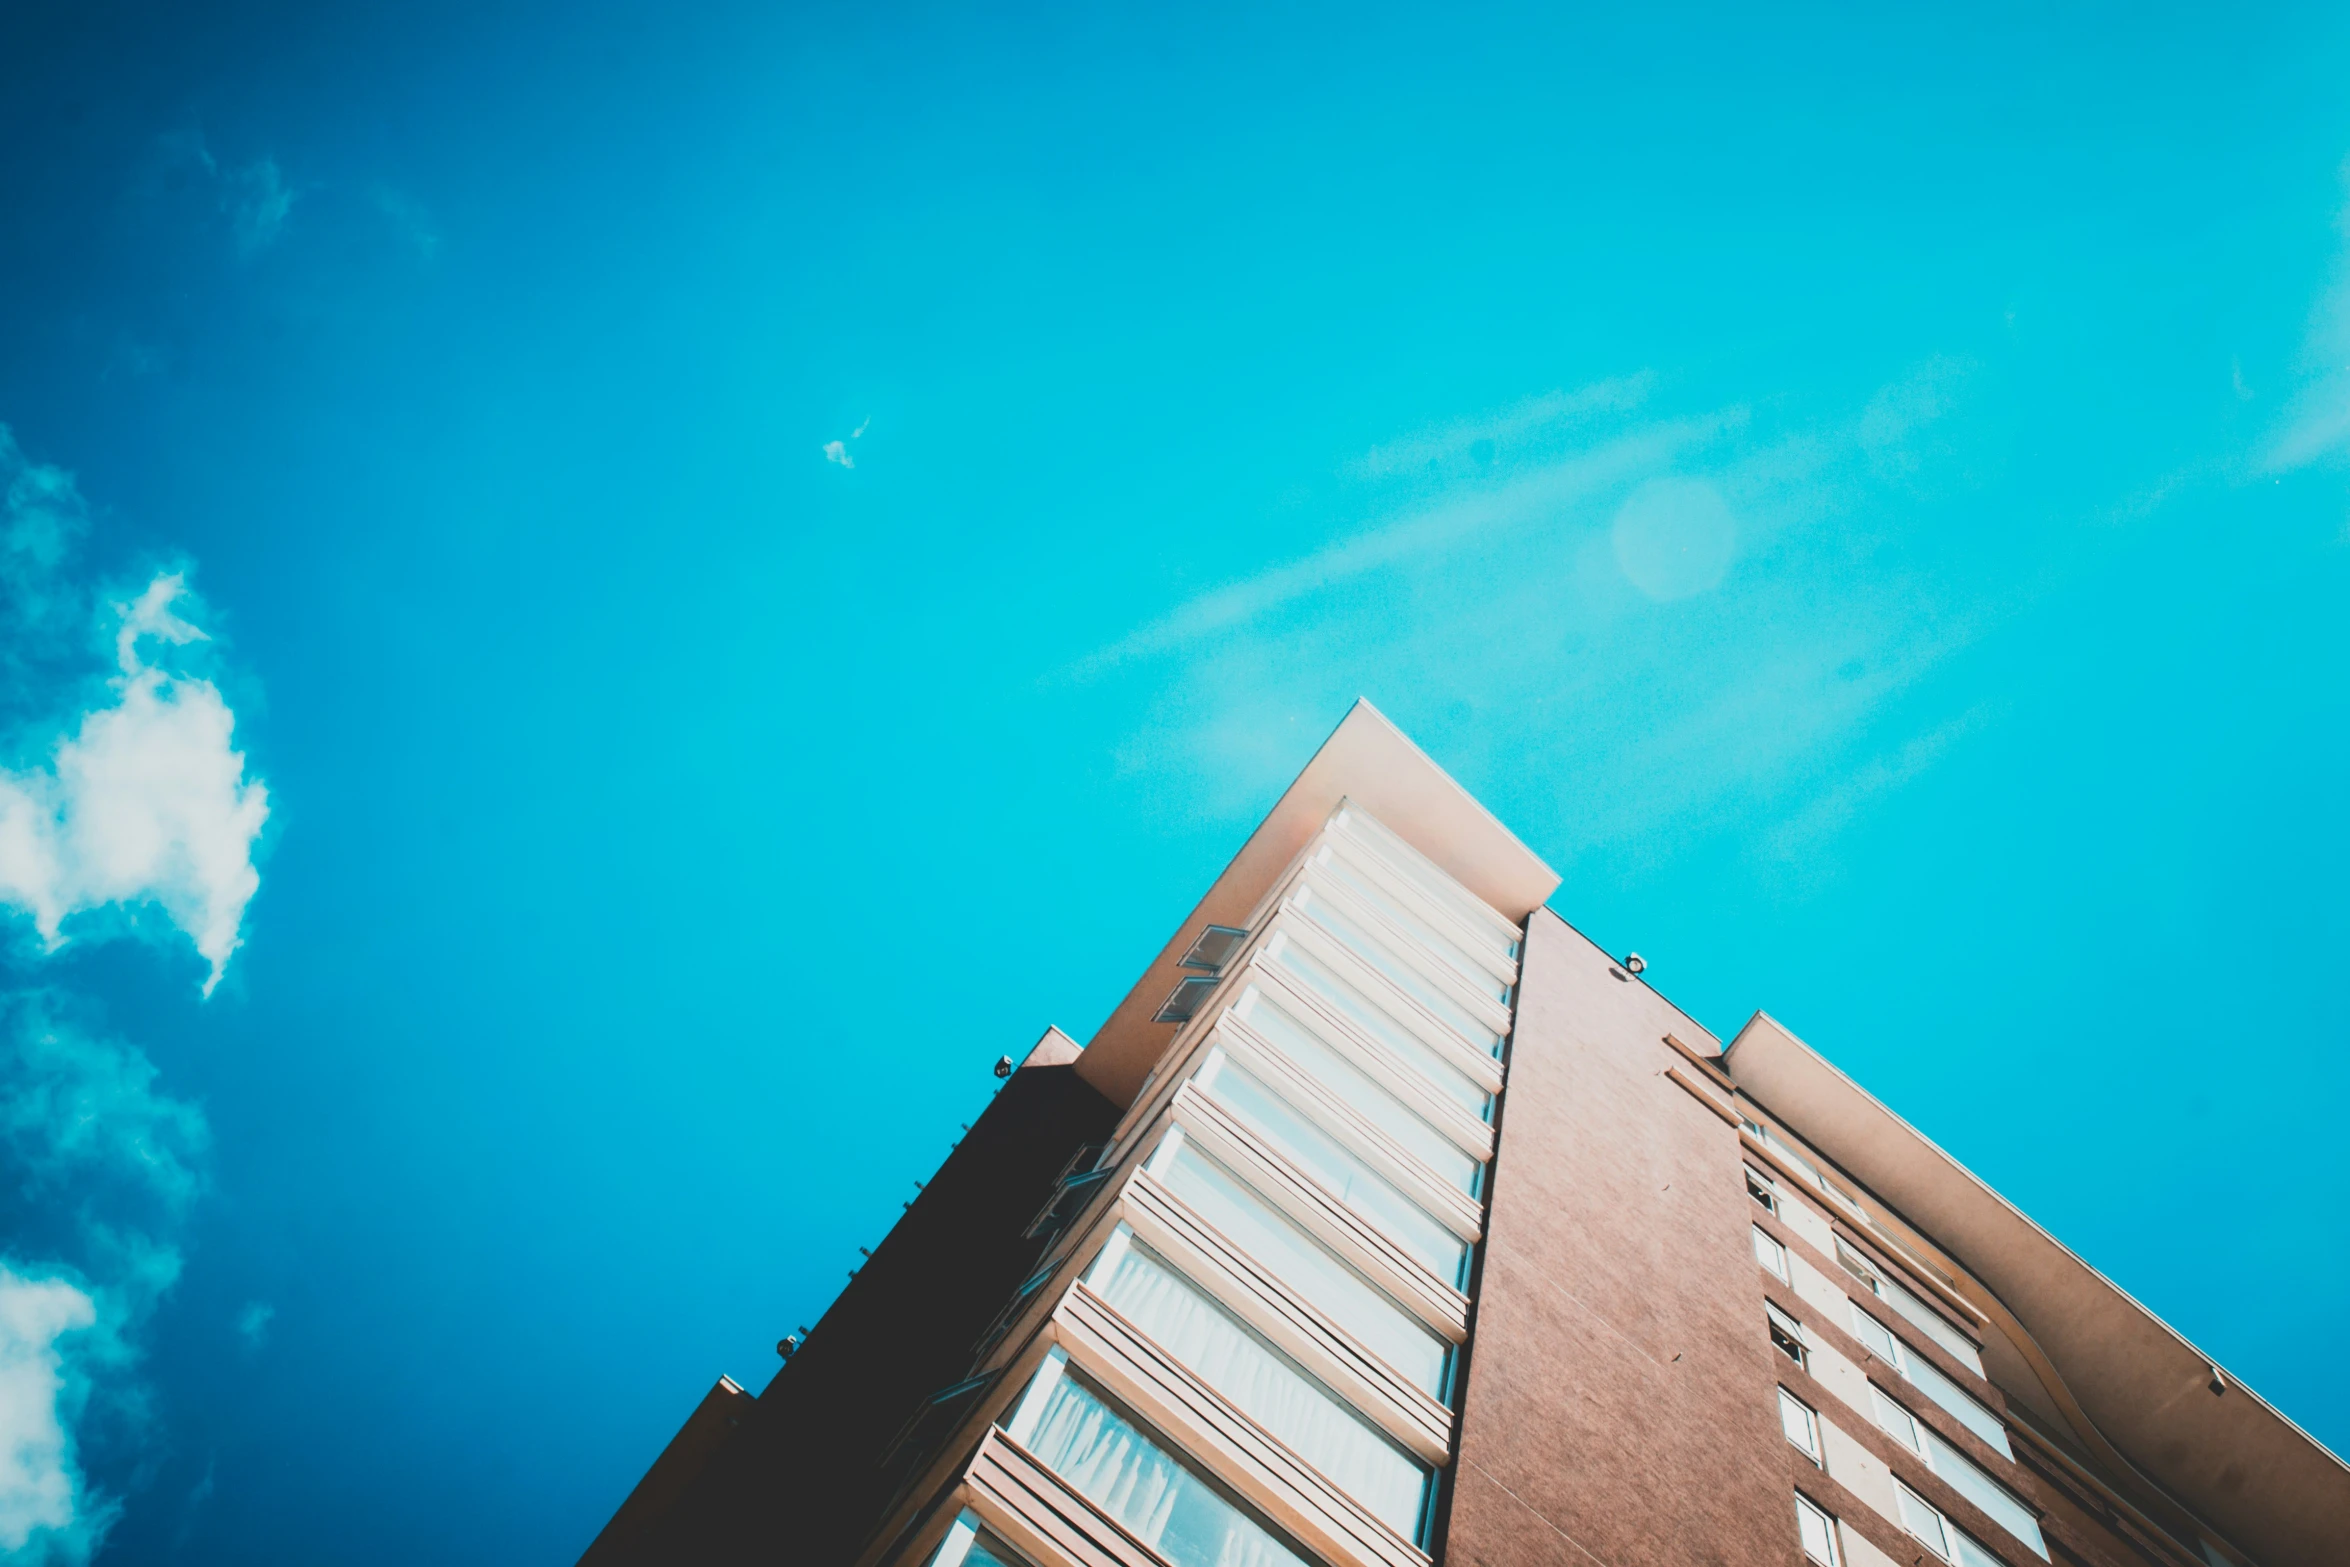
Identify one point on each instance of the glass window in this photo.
(1301, 1262)
(969, 1545)
(1770, 1254)
(1327, 1065)
(1934, 1326)
(1897, 1422)
(1413, 866)
(1263, 1383)
(1448, 1079)
(1966, 1477)
(1875, 1338)
(1929, 1321)
(1324, 911)
(1920, 1518)
(1322, 1159)
(1800, 1424)
(1962, 1405)
(1760, 1190)
(1453, 955)
(1953, 1544)
(1817, 1531)
(1145, 1486)
(1787, 1335)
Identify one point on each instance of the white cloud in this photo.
(138, 798)
(42, 1504)
(147, 802)
(253, 1322)
(838, 451)
(104, 1164)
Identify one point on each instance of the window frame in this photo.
(1774, 1260)
(1806, 1508)
(1806, 1417)
(1313, 875)
(1782, 1326)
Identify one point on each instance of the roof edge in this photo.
(1366, 758)
(2103, 1341)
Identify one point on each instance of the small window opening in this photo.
(1184, 1000)
(1215, 947)
(1787, 1335)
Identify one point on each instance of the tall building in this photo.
(1390, 1221)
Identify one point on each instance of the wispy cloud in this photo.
(1686, 617)
(253, 1320)
(255, 196)
(838, 451)
(2316, 423)
(409, 220)
(1454, 520)
(1490, 438)
(1835, 807)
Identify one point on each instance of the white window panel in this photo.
(1321, 981)
(1770, 1253)
(1135, 1477)
(1962, 1405)
(1800, 1424)
(1921, 1518)
(1493, 978)
(1817, 1531)
(1397, 966)
(1929, 1321)
(1947, 1540)
(1322, 1159)
(1923, 1375)
(1329, 1064)
(1967, 1478)
(1264, 1384)
(1424, 873)
(1897, 1421)
(1961, 1473)
(1236, 1211)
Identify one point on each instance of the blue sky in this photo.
(1866, 496)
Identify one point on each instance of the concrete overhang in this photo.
(1370, 761)
(2266, 1484)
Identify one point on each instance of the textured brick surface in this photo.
(1620, 1406)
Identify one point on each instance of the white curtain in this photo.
(1269, 1389)
(1134, 1481)
(1289, 1254)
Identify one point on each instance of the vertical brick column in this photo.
(1620, 1405)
